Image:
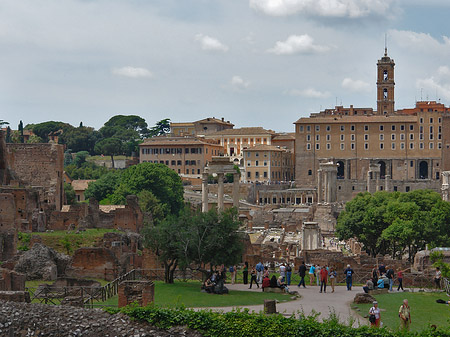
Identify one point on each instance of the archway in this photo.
(423, 170)
(340, 170)
(382, 169)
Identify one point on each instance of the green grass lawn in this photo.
(424, 309)
(189, 295)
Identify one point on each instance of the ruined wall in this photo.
(11, 280)
(39, 165)
(8, 240)
(141, 292)
(130, 217)
(94, 263)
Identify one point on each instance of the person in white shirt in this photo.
(375, 311)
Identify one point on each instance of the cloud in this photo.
(132, 72)
(420, 41)
(239, 83)
(355, 85)
(323, 8)
(309, 93)
(297, 44)
(209, 43)
(438, 84)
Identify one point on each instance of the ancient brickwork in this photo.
(141, 292)
(11, 280)
(95, 263)
(39, 165)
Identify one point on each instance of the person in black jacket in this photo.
(348, 277)
(302, 273)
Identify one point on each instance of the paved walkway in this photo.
(312, 300)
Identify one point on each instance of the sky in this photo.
(254, 62)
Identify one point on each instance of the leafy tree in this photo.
(87, 170)
(109, 147)
(70, 194)
(163, 182)
(8, 135)
(34, 139)
(161, 128)
(120, 122)
(194, 240)
(44, 129)
(103, 187)
(150, 204)
(20, 129)
(2, 123)
(80, 139)
(80, 158)
(68, 159)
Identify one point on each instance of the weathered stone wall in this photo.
(15, 296)
(95, 263)
(130, 217)
(141, 292)
(11, 280)
(39, 165)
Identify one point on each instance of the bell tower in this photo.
(385, 85)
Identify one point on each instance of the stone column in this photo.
(368, 181)
(445, 185)
(387, 179)
(319, 186)
(205, 192)
(377, 181)
(236, 190)
(220, 192)
(325, 186)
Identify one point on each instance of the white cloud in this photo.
(324, 8)
(297, 44)
(355, 85)
(438, 84)
(420, 41)
(310, 93)
(132, 72)
(209, 43)
(239, 83)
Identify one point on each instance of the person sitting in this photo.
(385, 280)
(208, 285)
(368, 286)
(380, 283)
(273, 282)
(265, 283)
(281, 284)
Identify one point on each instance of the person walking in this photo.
(375, 275)
(312, 272)
(259, 271)
(405, 315)
(323, 279)
(348, 277)
(333, 276)
(245, 273)
(233, 271)
(283, 271)
(253, 278)
(437, 278)
(400, 279)
(375, 315)
(318, 268)
(302, 273)
(288, 274)
(390, 275)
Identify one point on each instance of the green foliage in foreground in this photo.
(243, 323)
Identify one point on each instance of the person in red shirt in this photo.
(265, 282)
(400, 279)
(323, 279)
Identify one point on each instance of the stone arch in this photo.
(382, 169)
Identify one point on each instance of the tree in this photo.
(194, 240)
(2, 123)
(44, 129)
(160, 180)
(20, 129)
(80, 158)
(109, 147)
(34, 139)
(161, 128)
(80, 139)
(70, 194)
(68, 159)
(8, 135)
(150, 204)
(103, 187)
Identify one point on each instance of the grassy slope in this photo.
(424, 309)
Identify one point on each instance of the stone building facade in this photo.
(200, 128)
(385, 149)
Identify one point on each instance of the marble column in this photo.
(236, 190)
(220, 192)
(319, 186)
(205, 192)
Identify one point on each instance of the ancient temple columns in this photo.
(205, 192)
(220, 191)
(445, 185)
(326, 180)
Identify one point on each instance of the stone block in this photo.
(363, 298)
(15, 296)
(273, 290)
(379, 291)
(141, 292)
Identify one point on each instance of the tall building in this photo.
(372, 150)
(200, 128)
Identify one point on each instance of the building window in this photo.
(352, 128)
(431, 120)
(421, 120)
(308, 128)
(431, 145)
(421, 136)
(301, 128)
(366, 146)
(393, 136)
(328, 146)
(173, 162)
(381, 136)
(249, 174)
(352, 137)
(411, 136)
(439, 145)
(328, 128)
(393, 127)
(342, 128)
(317, 138)
(317, 146)
(265, 174)
(308, 146)
(328, 138)
(256, 163)
(265, 162)
(342, 138)
(420, 145)
(431, 136)
(317, 127)
(249, 163)
(308, 138)
(366, 137)
(411, 146)
(381, 127)
(366, 128)
(256, 174)
(402, 136)
(342, 146)
(310, 172)
(402, 146)
(352, 145)
(392, 146)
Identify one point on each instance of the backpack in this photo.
(349, 273)
(288, 269)
(231, 269)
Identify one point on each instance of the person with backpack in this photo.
(288, 274)
(375, 315)
(390, 276)
(348, 277)
(333, 276)
(259, 272)
(312, 273)
(405, 315)
(253, 278)
(233, 270)
(302, 274)
(323, 279)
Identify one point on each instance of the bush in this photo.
(242, 323)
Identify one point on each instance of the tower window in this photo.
(385, 93)
(385, 75)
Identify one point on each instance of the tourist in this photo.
(245, 273)
(288, 274)
(266, 272)
(374, 275)
(233, 271)
(323, 279)
(281, 284)
(368, 286)
(380, 283)
(265, 283)
(302, 273)
(333, 275)
(437, 278)
(283, 271)
(348, 277)
(259, 271)
(253, 278)
(208, 285)
(374, 315)
(273, 282)
(382, 269)
(317, 275)
(405, 315)
(312, 272)
(400, 279)
(390, 275)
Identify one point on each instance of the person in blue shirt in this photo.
(259, 272)
(348, 277)
(312, 273)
